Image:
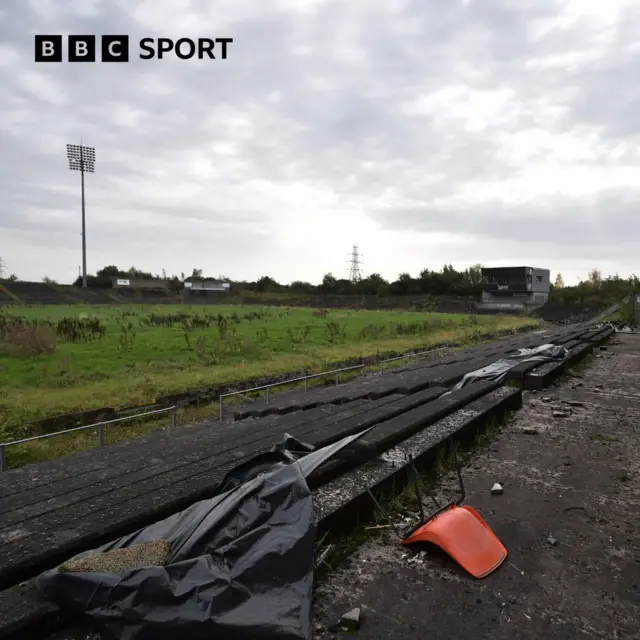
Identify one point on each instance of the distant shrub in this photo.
(22, 339)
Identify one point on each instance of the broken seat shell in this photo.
(461, 532)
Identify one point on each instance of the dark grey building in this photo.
(517, 287)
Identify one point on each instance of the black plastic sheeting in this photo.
(498, 371)
(241, 562)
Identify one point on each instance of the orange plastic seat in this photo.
(461, 532)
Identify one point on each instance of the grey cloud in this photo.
(317, 99)
(607, 222)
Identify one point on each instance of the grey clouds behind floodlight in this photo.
(424, 131)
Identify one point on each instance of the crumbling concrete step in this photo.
(517, 373)
(124, 504)
(589, 335)
(67, 493)
(119, 463)
(546, 374)
(363, 387)
(451, 374)
(602, 334)
(373, 387)
(572, 344)
(323, 431)
(497, 349)
(129, 465)
(387, 434)
(378, 385)
(341, 502)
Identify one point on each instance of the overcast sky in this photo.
(424, 131)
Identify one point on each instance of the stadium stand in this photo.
(36, 293)
(91, 296)
(6, 297)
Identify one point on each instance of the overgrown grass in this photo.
(625, 316)
(124, 355)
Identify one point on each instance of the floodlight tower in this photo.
(82, 159)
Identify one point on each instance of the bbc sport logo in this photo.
(113, 48)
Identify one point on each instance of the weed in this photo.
(599, 437)
(335, 331)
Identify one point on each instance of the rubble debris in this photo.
(156, 553)
(350, 621)
(562, 413)
(552, 541)
(547, 399)
(574, 403)
(497, 489)
(531, 431)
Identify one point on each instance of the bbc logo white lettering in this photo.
(82, 49)
(48, 48)
(115, 48)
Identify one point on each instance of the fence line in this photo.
(99, 425)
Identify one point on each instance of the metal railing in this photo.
(99, 425)
(607, 312)
(305, 379)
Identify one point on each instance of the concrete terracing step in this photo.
(371, 387)
(23, 613)
(544, 375)
(442, 369)
(49, 522)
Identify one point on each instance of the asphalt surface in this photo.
(568, 518)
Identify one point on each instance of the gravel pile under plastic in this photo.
(148, 554)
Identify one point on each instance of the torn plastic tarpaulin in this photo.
(497, 371)
(241, 562)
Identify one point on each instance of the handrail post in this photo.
(221, 406)
(101, 434)
(337, 377)
(267, 390)
(174, 417)
(3, 457)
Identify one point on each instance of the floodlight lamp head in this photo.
(81, 158)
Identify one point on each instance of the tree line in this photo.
(446, 282)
